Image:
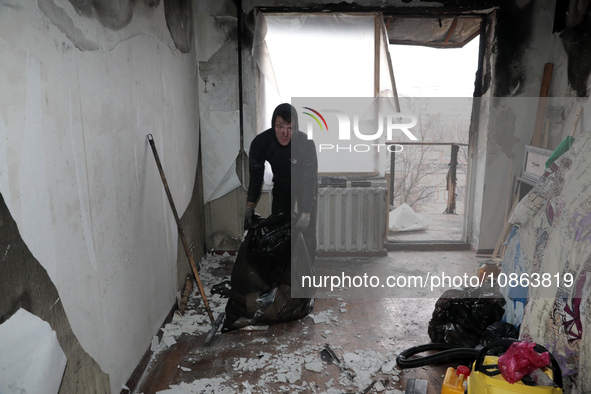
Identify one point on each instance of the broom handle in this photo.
(180, 228)
(576, 122)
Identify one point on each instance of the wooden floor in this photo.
(285, 358)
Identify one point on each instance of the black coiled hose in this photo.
(448, 353)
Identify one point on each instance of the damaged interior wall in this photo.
(219, 103)
(84, 83)
(225, 210)
(221, 128)
(520, 40)
(87, 234)
(24, 283)
(524, 40)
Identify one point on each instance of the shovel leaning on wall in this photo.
(215, 324)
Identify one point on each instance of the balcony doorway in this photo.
(428, 189)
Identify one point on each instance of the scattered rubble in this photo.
(265, 371)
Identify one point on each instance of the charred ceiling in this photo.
(513, 31)
(416, 7)
(576, 39)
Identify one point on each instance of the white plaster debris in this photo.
(388, 367)
(185, 369)
(366, 364)
(315, 366)
(281, 366)
(169, 340)
(252, 364)
(214, 385)
(195, 321)
(324, 317)
(155, 343)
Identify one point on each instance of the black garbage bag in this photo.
(499, 330)
(461, 316)
(261, 278)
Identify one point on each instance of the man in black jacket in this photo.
(295, 171)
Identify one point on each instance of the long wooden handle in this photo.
(536, 139)
(576, 123)
(180, 229)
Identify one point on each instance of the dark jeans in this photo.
(282, 201)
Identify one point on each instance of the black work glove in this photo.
(248, 215)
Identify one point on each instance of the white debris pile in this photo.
(367, 364)
(325, 317)
(213, 385)
(280, 369)
(196, 321)
(266, 370)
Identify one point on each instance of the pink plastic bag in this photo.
(520, 360)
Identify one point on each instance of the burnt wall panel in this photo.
(179, 19)
(577, 43)
(513, 33)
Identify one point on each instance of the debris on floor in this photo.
(288, 357)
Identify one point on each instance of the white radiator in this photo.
(351, 219)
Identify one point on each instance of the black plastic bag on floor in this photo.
(462, 316)
(499, 330)
(261, 278)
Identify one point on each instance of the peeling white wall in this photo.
(77, 172)
(218, 80)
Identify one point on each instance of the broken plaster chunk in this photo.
(343, 310)
(389, 366)
(255, 328)
(379, 387)
(293, 376)
(185, 369)
(155, 343)
(330, 383)
(168, 341)
(315, 366)
(351, 358)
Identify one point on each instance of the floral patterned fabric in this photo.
(554, 222)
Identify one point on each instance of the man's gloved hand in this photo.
(303, 221)
(248, 215)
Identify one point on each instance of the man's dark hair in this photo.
(288, 113)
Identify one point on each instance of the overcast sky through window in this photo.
(432, 72)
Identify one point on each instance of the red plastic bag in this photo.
(520, 360)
